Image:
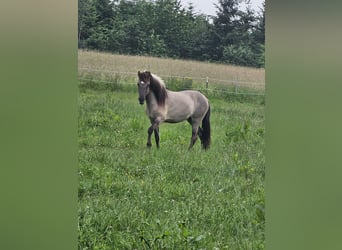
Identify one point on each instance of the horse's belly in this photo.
(173, 120)
(178, 115)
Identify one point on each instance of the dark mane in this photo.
(159, 90)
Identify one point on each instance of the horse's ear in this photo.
(139, 73)
(148, 73)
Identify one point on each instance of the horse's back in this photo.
(184, 104)
(201, 103)
(197, 96)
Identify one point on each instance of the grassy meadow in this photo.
(104, 66)
(132, 197)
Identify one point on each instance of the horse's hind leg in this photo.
(193, 138)
(200, 132)
(194, 134)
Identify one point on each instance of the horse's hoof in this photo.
(148, 145)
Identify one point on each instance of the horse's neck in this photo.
(151, 102)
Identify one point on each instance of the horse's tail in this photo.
(205, 140)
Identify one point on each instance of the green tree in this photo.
(167, 24)
(86, 21)
(259, 33)
(200, 36)
(104, 13)
(166, 28)
(234, 34)
(239, 55)
(259, 37)
(133, 31)
(225, 27)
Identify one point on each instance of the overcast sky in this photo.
(207, 6)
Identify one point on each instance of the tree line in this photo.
(165, 28)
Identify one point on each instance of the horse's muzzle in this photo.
(141, 101)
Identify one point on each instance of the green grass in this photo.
(131, 197)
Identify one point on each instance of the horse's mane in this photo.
(157, 85)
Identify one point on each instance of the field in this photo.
(131, 197)
(108, 66)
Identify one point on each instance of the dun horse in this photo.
(163, 105)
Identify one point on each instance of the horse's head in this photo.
(143, 85)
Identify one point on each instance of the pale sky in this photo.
(207, 6)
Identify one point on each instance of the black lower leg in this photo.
(149, 131)
(156, 136)
(200, 133)
(193, 139)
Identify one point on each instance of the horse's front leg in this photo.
(153, 128)
(149, 132)
(156, 136)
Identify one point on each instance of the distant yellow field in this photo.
(89, 61)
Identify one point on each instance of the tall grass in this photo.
(131, 197)
(102, 64)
